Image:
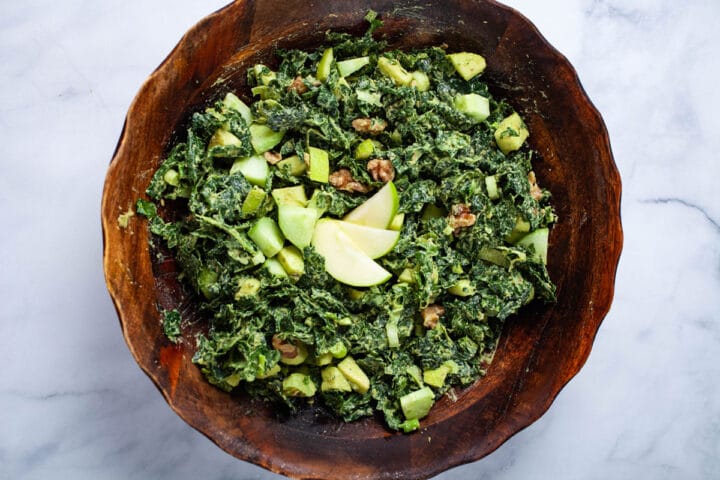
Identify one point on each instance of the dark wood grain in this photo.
(540, 350)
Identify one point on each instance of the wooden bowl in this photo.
(540, 350)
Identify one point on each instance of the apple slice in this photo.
(377, 211)
(344, 261)
(297, 224)
(374, 242)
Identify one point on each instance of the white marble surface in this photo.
(73, 404)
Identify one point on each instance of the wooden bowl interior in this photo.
(540, 349)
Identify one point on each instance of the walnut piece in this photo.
(298, 85)
(381, 170)
(431, 315)
(340, 178)
(460, 217)
(272, 157)
(372, 126)
(535, 191)
(286, 348)
(343, 180)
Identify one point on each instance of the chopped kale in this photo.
(460, 255)
(171, 325)
(148, 209)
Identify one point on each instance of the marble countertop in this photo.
(73, 403)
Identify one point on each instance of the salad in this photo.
(357, 232)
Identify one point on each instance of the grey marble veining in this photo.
(73, 404)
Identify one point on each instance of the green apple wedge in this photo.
(344, 260)
(374, 242)
(297, 224)
(377, 211)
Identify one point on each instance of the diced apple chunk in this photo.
(511, 133)
(467, 64)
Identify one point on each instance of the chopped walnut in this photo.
(272, 157)
(286, 348)
(340, 178)
(355, 186)
(381, 170)
(535, 191)
(298, 85)
(460, 217)
(343, 180)
(372, 126)
(431, 315)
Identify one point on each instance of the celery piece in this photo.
(206, 280)
(492, 187)
(351, 65)
(392, 69)
(319, 165)
(391, 331)
(338, 350)
(323, 69)
(410, 425)
(253, 201)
